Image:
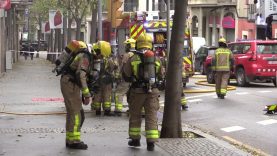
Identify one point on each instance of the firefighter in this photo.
(222, 62)
(105, 66)
(184, 105)
(143, 70)
(74, 81)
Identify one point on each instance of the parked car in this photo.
(200, 58)
(255, 61)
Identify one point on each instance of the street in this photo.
(33, 104)
(237, 118)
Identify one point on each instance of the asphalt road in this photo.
(237, 118)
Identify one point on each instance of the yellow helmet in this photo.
(131, 41)
(222, 40)
(144, 41)
(105, 48)
(72, 46)
(82, 45)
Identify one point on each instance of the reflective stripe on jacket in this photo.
(221, 61)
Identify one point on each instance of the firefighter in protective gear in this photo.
(222, 62)
(183, 97)
(73, 81)
(106, 68)
(143, 70)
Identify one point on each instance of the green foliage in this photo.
(40, 9)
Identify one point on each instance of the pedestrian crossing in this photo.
(239, 128)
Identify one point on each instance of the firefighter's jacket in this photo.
(222, 60)
(79, 69)
(131, 68)
(109, 70)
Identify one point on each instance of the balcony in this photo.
(227, 2)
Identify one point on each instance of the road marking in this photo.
(197, 96)
(242, 93)
(232, 129)
(195, 100)
(265, 91)
(267, 122)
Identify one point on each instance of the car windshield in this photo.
(266, 48)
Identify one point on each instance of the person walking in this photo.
(105, 67)
(222, 61)
(143, 70)
(73, 81)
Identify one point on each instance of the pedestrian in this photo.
(73, 82)
(105, 66)
(222, 61)
(143, 70)
(32, 51)
(25, 51)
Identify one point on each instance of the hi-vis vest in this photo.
(221, 61)
(137, 66)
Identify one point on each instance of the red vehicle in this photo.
(255, 61)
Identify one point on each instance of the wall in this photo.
(244, 25)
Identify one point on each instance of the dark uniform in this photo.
(143, 93)
(222, 62)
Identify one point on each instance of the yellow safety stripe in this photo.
(272, 107)
(97, 104)
(77, 58)
(158, 66)
(183, 101)
(223, 91)
(76, 134)
(85, 91)
(135, 67)
(134, 34)
(187, 60)
(152, 134)
(118, 106)
(107, 104)
(134, 131)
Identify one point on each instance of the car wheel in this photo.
(210, 76)
(274, 82)
(241, 78)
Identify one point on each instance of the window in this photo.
(245, 48)
(130, 5)
(267, 49)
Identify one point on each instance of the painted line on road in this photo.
(195, 100)
(242, 93)
(232, 129)
(245, 146)
(267, 122)
(264, 91)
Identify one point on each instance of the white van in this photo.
(197, 42)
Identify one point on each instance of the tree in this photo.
(78, 9)
(93, 9)
(172, 124)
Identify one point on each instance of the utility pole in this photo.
(99, 20)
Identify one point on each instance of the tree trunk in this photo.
(93, 25)
(78, 28)
(172, 124)
(69, 30)
(39, 37)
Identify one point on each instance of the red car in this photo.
(255, 61)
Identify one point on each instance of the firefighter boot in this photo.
(134, 142)
(150, 146)
(79, 145)
(98, 112)
(185, 107)
(117, 113)
(107, 112)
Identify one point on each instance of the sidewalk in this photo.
(31, 87)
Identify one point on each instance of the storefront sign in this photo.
(228, 22)
(5, 4)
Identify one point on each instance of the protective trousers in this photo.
(150, 102)
(73, 105)
(121, 91)
(221, 82)
(103, 96)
